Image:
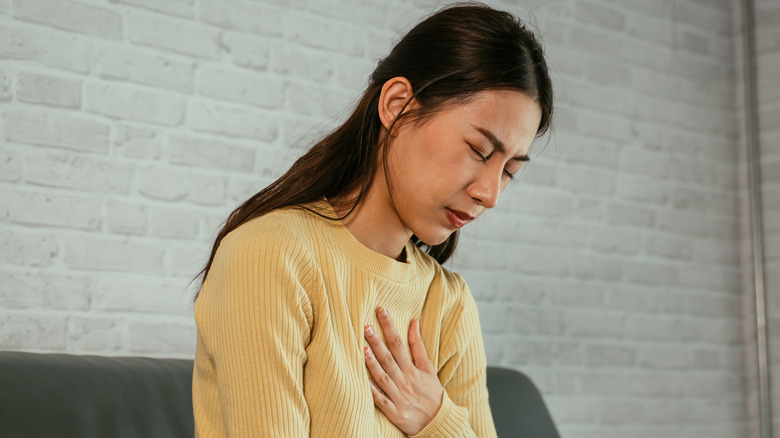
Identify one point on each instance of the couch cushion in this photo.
(61, 395)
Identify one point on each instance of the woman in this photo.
(324, 310)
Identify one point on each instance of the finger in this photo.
(382, 354)
(394, 341)
(417, 346)
(381, 377)
(382, 402)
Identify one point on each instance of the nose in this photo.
(486, 188)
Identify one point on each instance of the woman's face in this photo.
(446, 171)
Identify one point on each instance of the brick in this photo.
(48, 90)
(325, 34)
(664, 357)
(534, 320)
(249, 88)
(94, 334)
(166, 338)
(582, 180)
(594, 325)
(678, 222)
(600, 15)
(539, 174)
(619, 213)
(176, 35)
(19, 331)
(610, 355)
(28, 249)
(72, 16)
(169, 184)
(541, 261)
(603, 383)
(589, 209)
(703, 358)
(68, 52)
(6, 82)
(183, 8)
(352, 74)
(173, 223)
(110, 254)
(41, 290)
(577, 294)
(642, 299)
(141, 143)
(5, 5)
(642, 162)
(211, 153)
(130, 102)
(604, 126)
(138, 297)
(715, 305)
(10, 165)
(659, 329)
(695, 42)
(643, 272)
(594, 266)
(595, 42)
(57, 130)
(651, 29)
(144, 67)
(613, 240)
(532, 352)
(210, 225)
(306, 63)
(318, 101)
(247, 51)
(571, 411)
(125, 217)
(243, 15)
(78, 172)
(370, 14)
(209, 116)
(54, 209)
(494, 319)
(713, 383)
(187, 259)
(670, 384)
(614, 412)
(722, 278)
(669, 246)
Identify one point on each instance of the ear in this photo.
(395, 93)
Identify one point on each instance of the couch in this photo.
(75, 396)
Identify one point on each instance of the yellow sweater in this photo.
(280, 341)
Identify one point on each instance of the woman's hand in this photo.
(411, 394)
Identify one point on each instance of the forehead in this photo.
(511, 116)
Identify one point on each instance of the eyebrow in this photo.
(498, 144)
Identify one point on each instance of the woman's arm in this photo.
(255, 318)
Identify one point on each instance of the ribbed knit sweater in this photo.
(280, 339)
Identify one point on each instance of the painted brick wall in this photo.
(129, 129)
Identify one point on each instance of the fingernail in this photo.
(367, 352)
(369, 331)
(418, 326)
(382, 312)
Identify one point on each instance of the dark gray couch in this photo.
(73, 396)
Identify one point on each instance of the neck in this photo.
(375, 223)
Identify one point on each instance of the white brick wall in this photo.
(129, 129)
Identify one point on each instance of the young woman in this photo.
(324, 309)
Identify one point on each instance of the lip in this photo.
(458, 218)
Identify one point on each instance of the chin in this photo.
(434, 239)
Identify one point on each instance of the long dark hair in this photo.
(448, 58)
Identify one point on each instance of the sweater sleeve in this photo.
(255, 319)
(465, 411)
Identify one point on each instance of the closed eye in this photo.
(482, 155)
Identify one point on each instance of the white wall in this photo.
(129, 129)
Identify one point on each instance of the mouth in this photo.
(458, 218)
